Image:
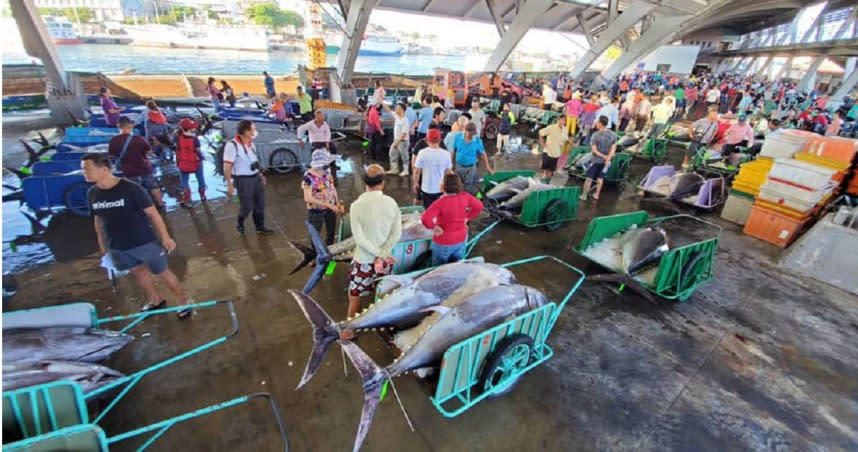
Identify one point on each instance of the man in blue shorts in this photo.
(124, 215)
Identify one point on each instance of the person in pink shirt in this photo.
(374, 131)
(691, 95)
(739, 134)
(449, 216)
(834, 128)
(573, 111)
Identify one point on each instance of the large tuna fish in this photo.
(89, 376)
(628, 141)
(518, 200)
(642, 248)
(507, 189)
(471, 316)
(683, 185)
(32, 345)
(402, 306)
(343, 251)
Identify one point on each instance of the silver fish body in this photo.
(643, 247)
(507, 189)
(89, 376)
(684, 185)
(31, 345)
(517, 201)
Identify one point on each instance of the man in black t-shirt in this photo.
(122, 211)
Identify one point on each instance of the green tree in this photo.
(270, 15)
(73, 14)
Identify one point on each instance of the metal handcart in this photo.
(617, 174)
(550, 208)
(83, 315)
(681, 270)
(54, 417)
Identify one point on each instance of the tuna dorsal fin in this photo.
(441, 310)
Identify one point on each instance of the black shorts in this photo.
(549, 163)
(595, 171)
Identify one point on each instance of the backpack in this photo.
(187, 157)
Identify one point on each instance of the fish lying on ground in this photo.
(471, 316)
(31, 345)
(517, 201)
(89, 376)
(402, 306)
(507, 189)
(343, 251)
(683, 185)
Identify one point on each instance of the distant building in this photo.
(106, 10)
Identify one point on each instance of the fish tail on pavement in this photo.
(325, 332)
(373, 378)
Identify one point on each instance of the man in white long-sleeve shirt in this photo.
(376, 227)
(319, 133)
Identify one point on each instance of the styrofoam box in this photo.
(791, 191)
(782, 145)
(790, 202)
(802, 173)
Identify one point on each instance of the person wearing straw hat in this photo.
(320, 194)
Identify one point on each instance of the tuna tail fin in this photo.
(32, 155)
(309, 255)
(325, 332)
(373, 378)
(323, 257)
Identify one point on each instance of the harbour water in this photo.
(114, 59)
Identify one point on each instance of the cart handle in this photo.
(129, 381)
(472, 243)
(685, 215)
(165, 425)
(581, 276)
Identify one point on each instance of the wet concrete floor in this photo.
(756, 360)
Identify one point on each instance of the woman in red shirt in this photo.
(449, 216)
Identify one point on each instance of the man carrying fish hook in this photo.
(376, 227)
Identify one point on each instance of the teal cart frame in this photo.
(516, 346)
(83, 314)
(53, 416)
(414, 254)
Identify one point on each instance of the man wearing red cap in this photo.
(432, 164)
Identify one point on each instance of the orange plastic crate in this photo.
(833, 148)
(779, 230)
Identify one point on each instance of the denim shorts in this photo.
(152, 254)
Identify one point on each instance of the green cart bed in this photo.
(682, 269)
(549, 208)
(617, 174)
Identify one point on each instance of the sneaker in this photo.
(184, 313)
(152, 307)
(264, 230)
(583, 197)
(392, 172)
(403, 174)
(240, 229)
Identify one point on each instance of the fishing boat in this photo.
(370, 46)
(199, 36)
(61, 31)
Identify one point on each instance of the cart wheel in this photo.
(504, 366)
(556, 213)
(74, 198)
(423, 261)
(283, 161)
(491, 131)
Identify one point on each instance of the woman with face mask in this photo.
(241, 170)
(320, 194)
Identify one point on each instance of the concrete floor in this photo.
(757, 359)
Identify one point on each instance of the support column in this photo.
(784, 70)
(808, 82)
(661, 29)
(526, 17)
(848, 84)
(358, 17)
(764, 70)
(630, 16)
(65, 95)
